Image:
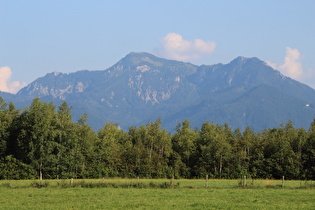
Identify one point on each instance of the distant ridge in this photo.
(141, 87)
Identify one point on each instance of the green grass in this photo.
(189, 194)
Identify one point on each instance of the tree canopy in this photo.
(43, 141)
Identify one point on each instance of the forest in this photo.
(43, 142)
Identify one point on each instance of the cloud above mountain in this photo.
(5, 84)
(174, 46)
(292, 65)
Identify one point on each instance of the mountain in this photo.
(141, 87)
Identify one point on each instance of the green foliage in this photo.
(36, 135)
(11, 168)
(151, 150)
(184, 146)
(43, 142)
(109, 151)
(7, 115)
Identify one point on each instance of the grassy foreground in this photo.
(154, 194)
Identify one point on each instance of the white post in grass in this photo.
(282, 181)
(207, 178)
(245, 182)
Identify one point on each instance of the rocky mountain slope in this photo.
(141, 87)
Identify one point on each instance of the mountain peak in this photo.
(136, 58)
(142, 61)
(139, 54)
(242, 60)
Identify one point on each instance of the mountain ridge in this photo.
(141, 87)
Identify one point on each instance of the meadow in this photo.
(156, 194)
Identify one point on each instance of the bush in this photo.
(39, 184)
(12, 168)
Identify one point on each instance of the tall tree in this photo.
(3, 128)
(151, 150)
(280, 158)
(308, 151)
(109, 150)
(36, 135)
(66, 143)
(160, 146)
(184, 143)
(242, 149)
(83, 151)
(215, 150)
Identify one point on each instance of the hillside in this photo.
(141, 87)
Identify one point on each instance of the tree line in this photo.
(42, 141)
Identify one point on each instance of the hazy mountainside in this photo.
(141, 87)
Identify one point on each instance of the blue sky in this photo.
(38, 37)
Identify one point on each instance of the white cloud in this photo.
(175, 47)
(5, 84)
(292, 65)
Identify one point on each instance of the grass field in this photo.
(155, 194)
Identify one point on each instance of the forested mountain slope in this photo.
(141, 87)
